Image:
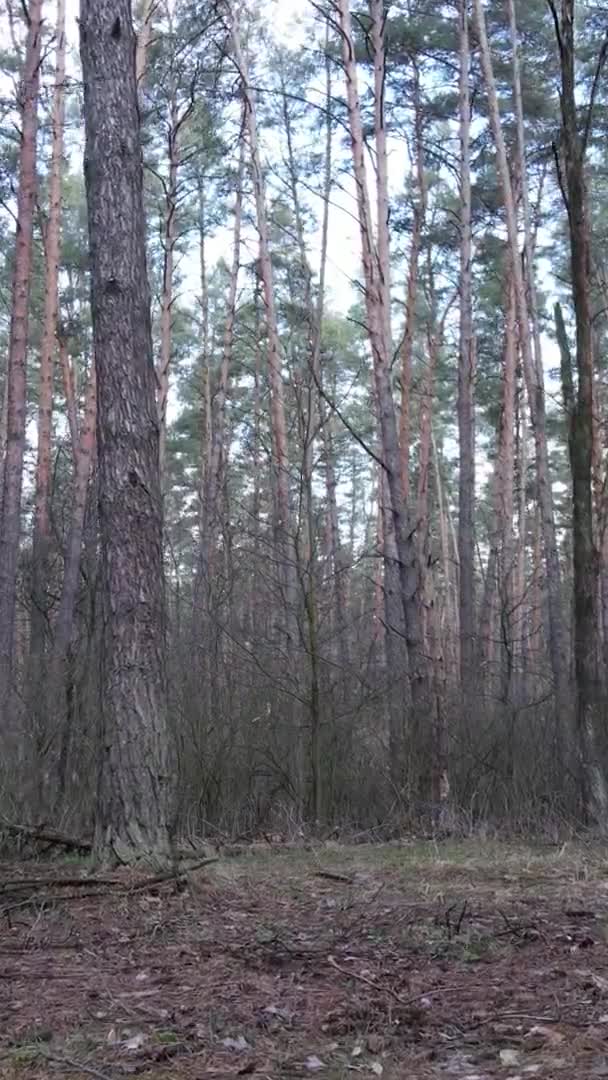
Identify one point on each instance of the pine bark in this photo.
(136, 780)
(10, 525)
(466, 381)
(407, 345)
(41, 544)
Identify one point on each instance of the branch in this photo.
(558, 33)
(358, 438)
(601, 60)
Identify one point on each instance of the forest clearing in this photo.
(468, 959)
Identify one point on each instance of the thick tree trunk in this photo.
(466, 382)
(136, 781)
(10, 525)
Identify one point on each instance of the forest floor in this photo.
(419, 960)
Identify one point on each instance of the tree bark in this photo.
(41, 542)
(143, 40)
(10, 525)
(136, 780)
(594, 790)
(407, 345)
(64, 626)
(466, 382)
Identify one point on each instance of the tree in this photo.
(573, 183)
(136, 780)
(41, 543)
(16, 389)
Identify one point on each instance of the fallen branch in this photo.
(55, 883)
(331, 876)
(48, 836)
(72, 1064)
(177, 874)
(384, 988)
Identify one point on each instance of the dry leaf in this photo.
(135, 1042)
(237, 1045)
(313, 1063)
(377, 1068)
(548, 1034)
(509, 1057)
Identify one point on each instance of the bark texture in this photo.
(135, 801)
(42, 503)
(10, 525)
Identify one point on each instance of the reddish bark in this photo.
(10, 526)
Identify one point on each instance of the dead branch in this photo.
(48, 836)
(177, 874)
(331, 876)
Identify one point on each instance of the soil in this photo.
(413, 960)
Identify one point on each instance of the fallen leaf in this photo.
(600, 983)
(377, 1068)
(357, 1050)
(238, 1045)
(281, 1014)
(313, 1063)
(509, 1057)
(547, 1034)
(135, 1042)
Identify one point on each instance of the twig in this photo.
(331, 876)
(395, 993)
(76, 1065)
(55, 883)
(515, 1016)
(48, 836)
(169, 875)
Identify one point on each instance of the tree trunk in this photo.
(407, 345)
(377, 277)
(10, 526)
(585, 556)
(277, 405)
(466, 383)
(210, 518)
(64, 626)
(166, 302)
(136, 780)
(143, 40)
(535, 389)
(41, 542)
